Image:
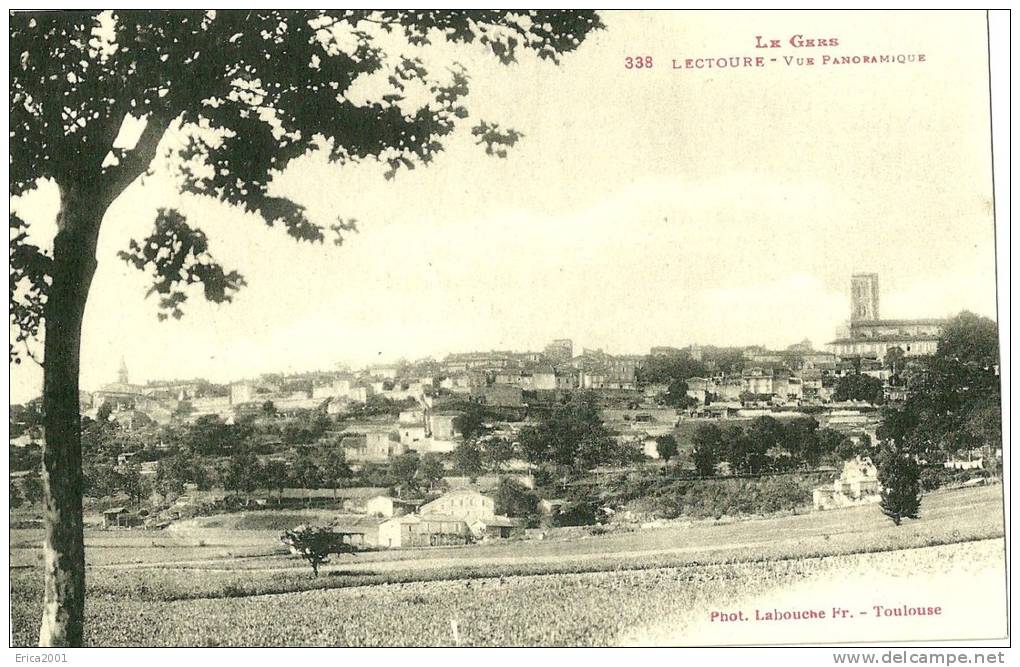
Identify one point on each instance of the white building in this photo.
(857, 485)
(462, 503)
(386, 506)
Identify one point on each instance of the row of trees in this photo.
(207, 436)
(416, 474)
(108, 480)
(242, 473)
(767, 443)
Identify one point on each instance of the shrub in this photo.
(579, 513)
(934, 477)
(703, 498)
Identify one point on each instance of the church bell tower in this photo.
(864, 297)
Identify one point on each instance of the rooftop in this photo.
(441, 517)
(498, 521)
(896, 323)
(884, 339)
(461, 492)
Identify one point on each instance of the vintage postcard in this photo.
(503, 329)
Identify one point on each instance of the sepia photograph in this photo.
(505, 328)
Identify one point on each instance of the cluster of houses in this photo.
(799, 374)
(502, 379)
(812, 383)
(421, 430)
(461, 516)
(767, 379)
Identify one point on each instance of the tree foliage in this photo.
(132, 483)
(316, 544)
(666, 447)
(498, 451)
(244, 93)
(470, 423)
(184, 468)
(708, 448)
(275, 476)
(242, 473)
(676, 395)
(857, 387)
(210, 436)
(801, 440)
(15, 497)
(665, 368)
(749, 451)
(404, 470)
(468, 457)
(953, 397)
(514, 499)
(306, 473)
(895, 361)
(335, 471)
(32, 489)
(430, 471)
(766, 443)
(900, 478)
(104, 412)
(572, 434)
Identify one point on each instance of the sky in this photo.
(644, 207)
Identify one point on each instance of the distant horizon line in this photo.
(439, 358)
(395, 362)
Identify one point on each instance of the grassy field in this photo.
(207, 584)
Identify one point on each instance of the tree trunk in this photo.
(73, 266)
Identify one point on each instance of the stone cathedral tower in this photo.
(864, 297)
(122, 373)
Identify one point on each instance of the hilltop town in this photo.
(718, 381)
(521, 430)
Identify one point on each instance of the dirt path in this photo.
(419, 563)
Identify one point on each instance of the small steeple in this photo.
(122, 374)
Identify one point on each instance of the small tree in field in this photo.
(900, 478)
(316, 544)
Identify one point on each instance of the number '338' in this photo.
(637, 62)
